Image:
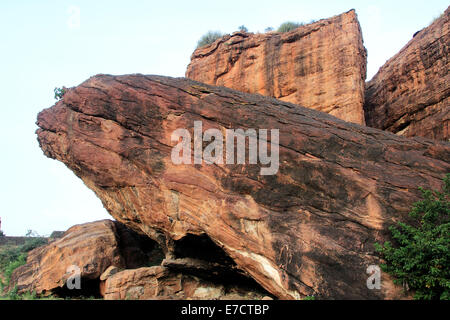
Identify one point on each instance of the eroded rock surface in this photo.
(410, 94)
(321, 65)
(90, 247)
(307, 230)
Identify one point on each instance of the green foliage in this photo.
(209, 38)
(309, 298)
(268, 29)
(14, 257)
(436, 18)
(9, 268)
(242, 28)
(33, 244)
(59, 92)
(1, 233)
(31, 233)
(10, 259)
(14, 295)
(419, 258)
(288, 26)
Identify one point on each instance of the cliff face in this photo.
(410, 94)
(308, 229)
(320, 66)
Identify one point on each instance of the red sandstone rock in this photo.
(91, 247)
(320, 66)
(308, 230)
(410, 94)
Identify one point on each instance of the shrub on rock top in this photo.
(289, 26)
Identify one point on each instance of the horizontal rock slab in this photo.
(321, 65)
(309, 229)
(86, 250)
(410, 94)
(160, 283)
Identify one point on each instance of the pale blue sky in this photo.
(42, 47)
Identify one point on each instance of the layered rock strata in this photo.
(410, 94)
(320, 65)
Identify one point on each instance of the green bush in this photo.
(419, 258)
(288, 26)
(13, 294)
(242, 28)
(33, 244)
(9, 268)
(14, 257)
(59, 92)
(209, 38)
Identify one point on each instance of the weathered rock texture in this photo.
(161, 283)
(309, 229)
(410, 94)
(91, 247)
(320, 66)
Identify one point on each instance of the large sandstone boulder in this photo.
(308, 229)
(320, 66)
(410, 94)
(86, 249)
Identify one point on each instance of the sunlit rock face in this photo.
(410, 94)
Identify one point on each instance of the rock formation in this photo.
(91, 247)
(410, 94)
(320, 66)
(116, 263)
(161, 283)
(308, 229)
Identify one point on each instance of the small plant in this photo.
(289, 26)
(33, 244)
(12, 294)
(209, 38)
(309, 298)
(268, 29)
(59, 92)
(10, 267)
(1, 233)
(437, 18)
(242, 28)
(419, 258)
